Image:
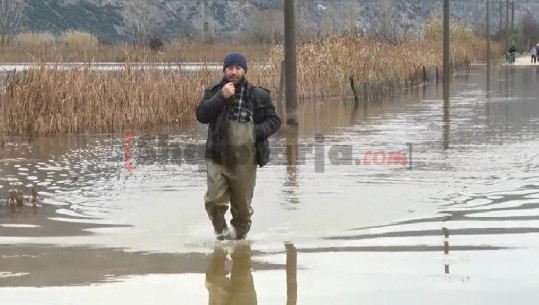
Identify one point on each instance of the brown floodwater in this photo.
(408, 200)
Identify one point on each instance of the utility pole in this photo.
(205, 26)
(512, 19)
(488, 42)
(501, 19)
(506, 24)
(290, 64)
(488, 35)
(447, 74)
(447, 63)
(352, 9)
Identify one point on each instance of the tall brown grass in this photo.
(34, 40)
(79, 39)
(84, 47)
(50, 100)
(324, 67)
(46, 101)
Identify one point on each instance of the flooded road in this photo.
(409, 200)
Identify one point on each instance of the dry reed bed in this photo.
(49, 101)
(174, 52)
(324, 68)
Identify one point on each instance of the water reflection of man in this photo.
(238, 289)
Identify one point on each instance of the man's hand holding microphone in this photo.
(228, 90)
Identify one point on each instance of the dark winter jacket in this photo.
(211, 110)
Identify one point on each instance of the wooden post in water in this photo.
(447, 72)
(356, 99)
(365, 92)
(446, 248)
(290, 64)
(291, 274)
(354, 91)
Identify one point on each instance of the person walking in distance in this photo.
(241, 118)
(533, 53)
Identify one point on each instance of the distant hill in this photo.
(224, 17)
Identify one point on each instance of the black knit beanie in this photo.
(235, 58)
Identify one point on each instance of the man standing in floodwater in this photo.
(241, 118)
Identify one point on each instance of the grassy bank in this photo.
(49, 101)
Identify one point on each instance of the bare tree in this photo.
(391, 26)
(530, 29)
(11, 13)
(266, 27)
(142, 20)
(332, 18)
(303, 26)
(335, 20)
